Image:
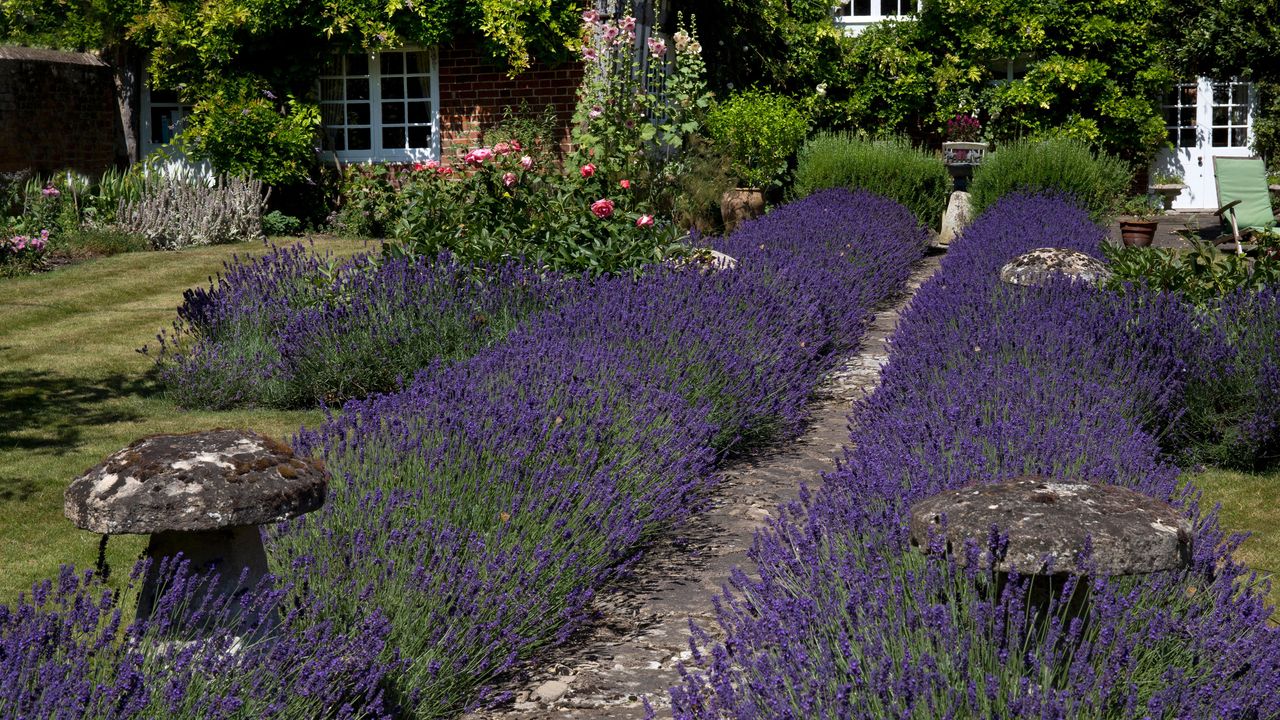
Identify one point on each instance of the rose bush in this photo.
(500, 206)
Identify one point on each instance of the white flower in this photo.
(822, 89)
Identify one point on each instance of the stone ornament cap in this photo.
(1037, 266)
(1044, 518)
(195, 482)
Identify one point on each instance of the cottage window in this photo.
(161, 118)
(381, 106)
(857, 14)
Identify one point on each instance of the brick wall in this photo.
(474, 92)
(57, 111)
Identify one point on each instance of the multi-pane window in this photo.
(379, 107)
(1179, 109)
(1230, 114)
(866, 11)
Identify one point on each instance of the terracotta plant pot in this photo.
(1138, 233)
(739, 205)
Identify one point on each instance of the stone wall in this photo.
(474, 92)
(57, 111)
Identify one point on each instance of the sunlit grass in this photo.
(1250, 503)
(74, 389)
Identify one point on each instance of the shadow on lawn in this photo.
(47, 412)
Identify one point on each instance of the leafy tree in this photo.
(1224, 38)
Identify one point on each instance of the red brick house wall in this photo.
(57, 111)
(474, 92)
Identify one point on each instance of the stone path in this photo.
(630, 652)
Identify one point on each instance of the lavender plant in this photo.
(482, 507)
(297, 329)
(987, 382)
(67, 650)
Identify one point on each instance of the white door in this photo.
(1205, 119)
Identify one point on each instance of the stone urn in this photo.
(1168, 192)
(740, 205)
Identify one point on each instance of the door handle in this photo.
(1200, 161)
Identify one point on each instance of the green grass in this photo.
(73, 390)
(1249, 505)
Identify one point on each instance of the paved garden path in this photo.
(642, 631)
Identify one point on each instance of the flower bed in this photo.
(293, 329)
(475, 513)
(988, 382)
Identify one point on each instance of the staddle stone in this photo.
(202, 495)
(197, 481)
(1131, 533)
(956, 217)
(1037, 266)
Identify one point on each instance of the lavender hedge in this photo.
(988, 382)
(294, 329)
(474, 513)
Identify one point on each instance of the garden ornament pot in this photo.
(1168, 192)
(739, 205)
(1138, 233)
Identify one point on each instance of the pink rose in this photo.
(477, 156)
(516, 146)
(644, 221)
(602, 208)
(502, 148)
(626, 184)
(419, 167)
(587, 170)
(509, 179)
(526, 162)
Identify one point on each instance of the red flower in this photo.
(626, 184)
(602, 208)
(644, 221)
(587, 170)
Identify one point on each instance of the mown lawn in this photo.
(1250, 503)
(74, 389)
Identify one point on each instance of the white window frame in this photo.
(145, 144)
(855, 24)
(376, 153)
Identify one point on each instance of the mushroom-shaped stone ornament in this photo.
(201, 494)
(1037, 266)
(1048, 523)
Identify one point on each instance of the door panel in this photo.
(1205, 119)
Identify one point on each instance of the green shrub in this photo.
(890, 167)
(761, 132)
(243, 129)
(1097, 181)
(277, 223)
(99, 242)
(1203, 274)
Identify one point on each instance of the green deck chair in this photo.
(1243, 198)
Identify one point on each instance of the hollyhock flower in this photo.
(591, 17)
(628, 24)
(626, 184)
(509, 179)
(587, 170)
(595, 112)
(602, 208)
(51, 191)
(590, 55)
(526, 162)
(644, 221)
(657, 46)
(477, 156)
(611, 34)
